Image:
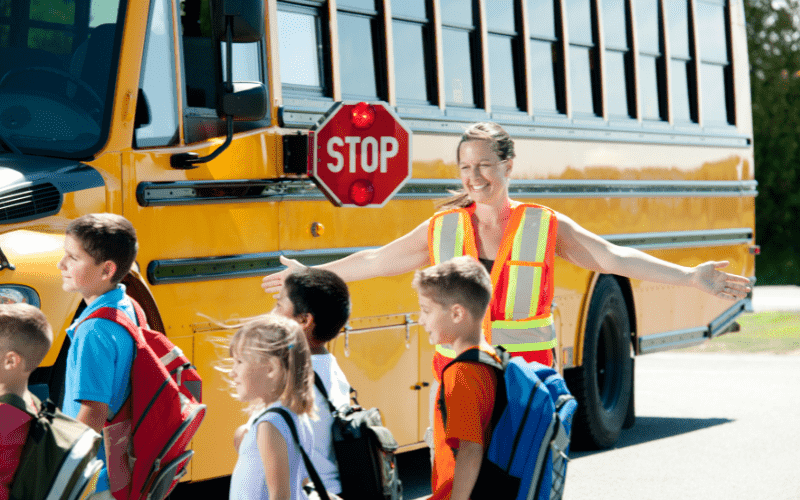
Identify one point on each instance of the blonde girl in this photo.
(271, 369)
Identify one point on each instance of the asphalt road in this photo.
(709, 426)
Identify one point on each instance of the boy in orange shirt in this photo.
(453, 298)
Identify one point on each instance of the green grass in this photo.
(766, 332)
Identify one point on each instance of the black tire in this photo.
(603, 385)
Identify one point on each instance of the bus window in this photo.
(462, 69)
(651, 60)
(547, 60)
(360, 49)
(584, 68)
(715, 74)
(618, 60)
(301, 36)
(157, 83)
(414, 67)
(682, 80)
(57, 61)
(507, 90)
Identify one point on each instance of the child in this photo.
(99, 250)
(271, 369)
(320, 302)
(453, 298)
(25, 338)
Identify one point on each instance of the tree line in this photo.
(773, 35)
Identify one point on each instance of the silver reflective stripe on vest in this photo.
(449, 234)
(526, 275)
(504, 336)
(82, 447)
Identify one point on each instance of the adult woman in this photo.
(484, 222)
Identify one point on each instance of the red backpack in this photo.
(146, 440)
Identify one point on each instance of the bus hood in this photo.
(32, 187)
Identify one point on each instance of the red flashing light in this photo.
(361, 192)
(363, 116)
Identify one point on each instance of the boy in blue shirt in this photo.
(99, 250)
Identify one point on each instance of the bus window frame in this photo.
(317, 9)
(429, 62)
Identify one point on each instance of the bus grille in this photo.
(29, 202)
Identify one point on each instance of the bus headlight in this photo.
(16, 294)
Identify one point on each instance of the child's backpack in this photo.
(526, 457)
(364, 450)
(146, 440)
(58, 460)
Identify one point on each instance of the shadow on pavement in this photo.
(653, 428)
(415, 472)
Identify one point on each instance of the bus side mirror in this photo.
(246, 102)
(247, 17)
(234, 21)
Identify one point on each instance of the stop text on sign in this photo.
(373, 153)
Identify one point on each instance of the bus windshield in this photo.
(57, 58)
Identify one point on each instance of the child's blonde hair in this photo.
(283, 338)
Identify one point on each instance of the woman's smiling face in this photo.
(483, 174)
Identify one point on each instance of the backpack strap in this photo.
(318, 486)
(481, 356)
(318, 383)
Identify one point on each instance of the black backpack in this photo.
(59, 458)
(364, 450)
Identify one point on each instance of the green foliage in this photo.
(774, 51)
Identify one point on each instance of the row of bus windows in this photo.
(305, 55)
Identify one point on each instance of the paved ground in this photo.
(776, 298)
(709, 426)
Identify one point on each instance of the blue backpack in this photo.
(526, 457)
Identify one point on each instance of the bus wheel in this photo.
(603, 386)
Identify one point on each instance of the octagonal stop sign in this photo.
(359, 154)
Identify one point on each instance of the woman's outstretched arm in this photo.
(583, 248)
(407, 253)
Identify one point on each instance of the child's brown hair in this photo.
(25, 330)
(461, 280)
(283, 338)
(107, 237)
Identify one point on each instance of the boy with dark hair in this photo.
(99, 250)
(319, 300)
(25, 338)
(453, 298)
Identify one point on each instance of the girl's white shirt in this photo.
(248, 481)
(335, 382)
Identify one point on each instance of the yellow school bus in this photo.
(630, 116)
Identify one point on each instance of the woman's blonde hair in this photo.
(502, 145)
(273, 335)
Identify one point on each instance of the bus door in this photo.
(208, 231)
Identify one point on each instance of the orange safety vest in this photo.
(519, 315)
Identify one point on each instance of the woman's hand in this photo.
(708, 278)
(274, 282)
